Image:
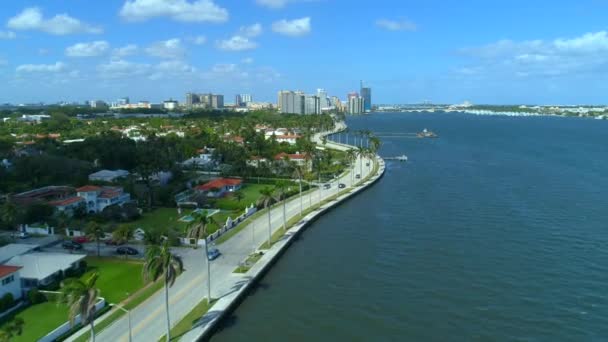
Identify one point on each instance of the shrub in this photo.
(6, 302)
(35, 297)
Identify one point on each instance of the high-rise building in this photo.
(356, 104)
(208, 100)
(322, 94)
(242, 100)
(296, 102)
(366, 94)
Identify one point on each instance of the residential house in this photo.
(44, 194)
(291, 139)
(256, 161)
(299, 159)
(67, 205)
(10, 281)
(42, 269)
(219, 187)
(98, 198)
(11, 250)
(204, 157)
(108, 175)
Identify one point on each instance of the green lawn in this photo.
(251, 194)
(39, 320)
(160, 219)
(117, 278)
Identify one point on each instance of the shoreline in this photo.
(210, 322)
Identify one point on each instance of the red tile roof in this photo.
(282, 155)
(219, 183)
(67, 201)
(110, 193)
(88, 188)
(6, 270)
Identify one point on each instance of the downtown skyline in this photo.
(407, 52)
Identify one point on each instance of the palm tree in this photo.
(362, 152)
(10, 214)
(351, 156)
(298, 172)
(281, 195)
(81, 297)
(266, 200)
(95, 232)
(197, 229)
(160, 262)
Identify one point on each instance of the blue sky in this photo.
(536, 52)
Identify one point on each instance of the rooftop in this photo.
(88, 188)
(6, 270)
(219, 183)
(41, 265)
(14, 249)
(67, 201)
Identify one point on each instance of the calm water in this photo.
(497, 231)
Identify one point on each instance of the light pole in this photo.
(253, 236)
(129, 319)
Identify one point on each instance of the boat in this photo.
(426, 134)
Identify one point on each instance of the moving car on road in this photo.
(358, 176)
(326, 186)
(122, 250)
(341, 185)
(213, 254)
(71, 245)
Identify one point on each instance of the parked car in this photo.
(358, 176)
(366, 164)
(80, 239)
(71, 245)
(126, 250)
(341, 185)
(23, 235)
(213, 254)
(326, 186)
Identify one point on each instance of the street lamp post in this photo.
(129, 319)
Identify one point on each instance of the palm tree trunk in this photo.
(301, 206)
(92, 324)
(167, 311)
(208, 272)
(269, 228)
(284, 215)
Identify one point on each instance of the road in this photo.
(149, 318)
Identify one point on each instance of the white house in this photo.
(10, 282)
(40, 269)
(288, 138)
(11, 250)
(204, 157)
(108, 175)
(98, 198)
(219, 187)
(67, 205)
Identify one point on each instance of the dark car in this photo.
(126, 250)
(326, 186)
(341, 185)
(71, 245)
(358, 176)
(213, 253)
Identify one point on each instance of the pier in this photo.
(402, 158)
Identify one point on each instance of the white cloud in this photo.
(548, 58)
(179, 10)
(170, 49)
(251, 31)
(126, 50)
(293, 28)
(274, 4)
(236, 43)
(122, 69)
(91, 49)
(247, 60)
(7, 35)
(41, 68)
(31, 18)
(396, 25)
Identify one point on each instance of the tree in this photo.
(351, 156)
(298, 172)
(81, 297)
(266, 200)
(160, 262)
(10, 214)
(122, 234)
(198, 229)
(95, 232)
(239, 195)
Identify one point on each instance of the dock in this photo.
(402, 158)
